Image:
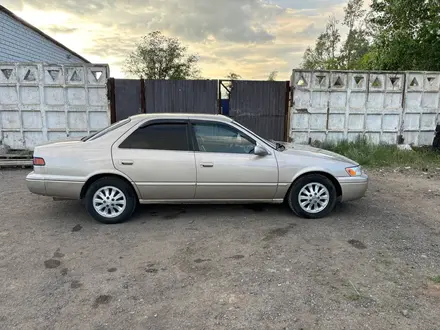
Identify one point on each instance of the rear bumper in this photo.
(35, 184)
(353, 188)
(40, 185)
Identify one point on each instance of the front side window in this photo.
(270, 143)
(222, 138)
(161, 136)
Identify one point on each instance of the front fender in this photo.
(284, 186)
(310, 170)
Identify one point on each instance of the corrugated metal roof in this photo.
(44, 35)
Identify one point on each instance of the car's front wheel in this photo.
(312, 196)
(110, 200)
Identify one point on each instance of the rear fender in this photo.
(114, 172)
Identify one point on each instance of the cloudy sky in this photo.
(249, 37)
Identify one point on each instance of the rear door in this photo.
(227, 168)
(158, 157)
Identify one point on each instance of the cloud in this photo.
(272, 50)
(61, 29)
(76, 7)
(193, 20)
(251, 37)
(310, 4)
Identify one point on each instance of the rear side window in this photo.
(106, 130)
(172, 136)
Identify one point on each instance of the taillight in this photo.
(38, 161)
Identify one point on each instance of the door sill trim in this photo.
(210, 201)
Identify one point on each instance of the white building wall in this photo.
(336, 105)
(18, 43)
(40, 103)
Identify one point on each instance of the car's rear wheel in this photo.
(110, 200)
(312, 196)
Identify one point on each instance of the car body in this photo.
(190, 158)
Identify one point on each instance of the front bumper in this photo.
(353, 188)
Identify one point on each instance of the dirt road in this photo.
(368, 266)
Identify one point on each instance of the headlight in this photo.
(354, 171)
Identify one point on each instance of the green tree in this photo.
(324, 54)
(272, 76)
(233, 76)
(406, 35)
(356, 45)
(159, 57)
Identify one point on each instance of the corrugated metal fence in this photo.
(127, 98)
(130, 97)
(261, 106)
(188, 96)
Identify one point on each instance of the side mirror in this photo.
(260, 151)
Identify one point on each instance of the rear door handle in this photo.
(127, 162)
(207, 164)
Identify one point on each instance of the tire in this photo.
(302, 186)
(103, 190)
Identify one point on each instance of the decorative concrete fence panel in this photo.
(401, 107)
(41, 103)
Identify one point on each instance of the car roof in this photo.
(201, 116)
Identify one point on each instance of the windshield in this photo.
(270, 143)
(106, 130)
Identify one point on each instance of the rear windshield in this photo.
(106, 130)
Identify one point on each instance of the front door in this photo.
(227, 168)
(158, 158)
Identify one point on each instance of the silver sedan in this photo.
(191, 158)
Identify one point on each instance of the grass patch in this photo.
(435, 279)
(385, 262)
(353, 297)
(371, 155)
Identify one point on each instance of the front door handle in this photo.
(127, 162)
(207, 164)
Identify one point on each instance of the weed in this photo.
(385, 262)
(353, 297)
(435, 279)
(380, 155)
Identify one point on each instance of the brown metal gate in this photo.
(188, 96)
(126, 98)
(261, 106)
(129, 97)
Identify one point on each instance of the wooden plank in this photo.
(15, 156)
(15, 162)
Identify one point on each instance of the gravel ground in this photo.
(367, 266)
